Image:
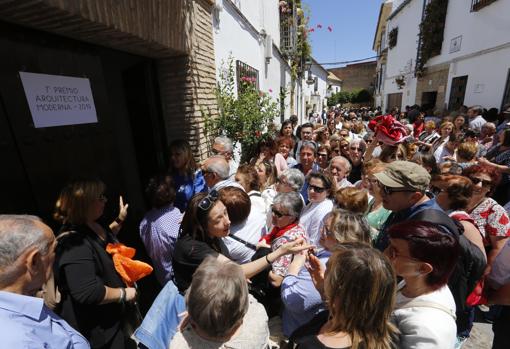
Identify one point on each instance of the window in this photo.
(477, 5)
(392, 38)
(506, 96)
(246, 73)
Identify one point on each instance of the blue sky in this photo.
(353, 25)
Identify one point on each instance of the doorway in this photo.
(457, 92)
(428, 100)
(394, 100)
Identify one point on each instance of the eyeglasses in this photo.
(323, 155)
(316, 188)
(278, 213)
(355, 148)
(436, 191)
(484, 182)
(368, 141)
(388, 190)
(207, 202)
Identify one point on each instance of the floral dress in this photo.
(491, 219)
(280, 236)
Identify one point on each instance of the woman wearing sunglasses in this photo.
(205, 222)
(490, 217)
(319, 191)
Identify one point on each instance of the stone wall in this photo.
(435, 79)
(177, 33)
(356, 76)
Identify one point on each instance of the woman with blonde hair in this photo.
(95, 298)
(300, 299)
(359, 288)
(351, 199)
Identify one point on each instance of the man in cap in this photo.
(403, 186)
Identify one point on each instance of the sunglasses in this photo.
(102, 198)
(355, 148)
(436, 191)
(484, 182)
(278, 213)
(316, 188)
(322, 155)
(207, 202)
(388, 190)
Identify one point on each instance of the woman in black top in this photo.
(205, 222)
(359, 290)
(93, 293)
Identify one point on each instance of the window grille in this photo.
(477, 5)
(246, 73)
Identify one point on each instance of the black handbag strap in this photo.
(244, 242)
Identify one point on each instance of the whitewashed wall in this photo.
(241, 38)
(482, 51)
(401, 59)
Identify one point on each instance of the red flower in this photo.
(319, 26)
(311, 30)
(330, 28)
(270, 91)
(257, 134)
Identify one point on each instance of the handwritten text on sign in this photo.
(56, 100)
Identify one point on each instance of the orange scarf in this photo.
(129, 270)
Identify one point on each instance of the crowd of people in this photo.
(355, 230)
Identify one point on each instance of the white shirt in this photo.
(312, 216)
(251, 230)
(426, 327)
(477, 123)
(226, 183)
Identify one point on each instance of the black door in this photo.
(457, 92)
(39, 161)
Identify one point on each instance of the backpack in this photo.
(470, 264)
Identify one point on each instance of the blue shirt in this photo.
(159, 230)
(186, 187)
(304, 190)
(162, 320)
(383, 240)
(300, 298)
(27, 323)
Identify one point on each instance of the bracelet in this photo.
(267, 260)
(119, 221)
(122, 297)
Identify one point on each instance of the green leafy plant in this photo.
(243, 114)
(431, 33)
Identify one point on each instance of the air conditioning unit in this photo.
(268, 48)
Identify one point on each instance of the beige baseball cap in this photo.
(405, 175)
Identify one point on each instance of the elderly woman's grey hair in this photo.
(347, 226)
(217, 299)
(291, 202)
(295, 178)
(225, 142)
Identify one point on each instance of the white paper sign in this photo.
(56, 100)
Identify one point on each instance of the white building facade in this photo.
(248, 32)
(472, 68)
